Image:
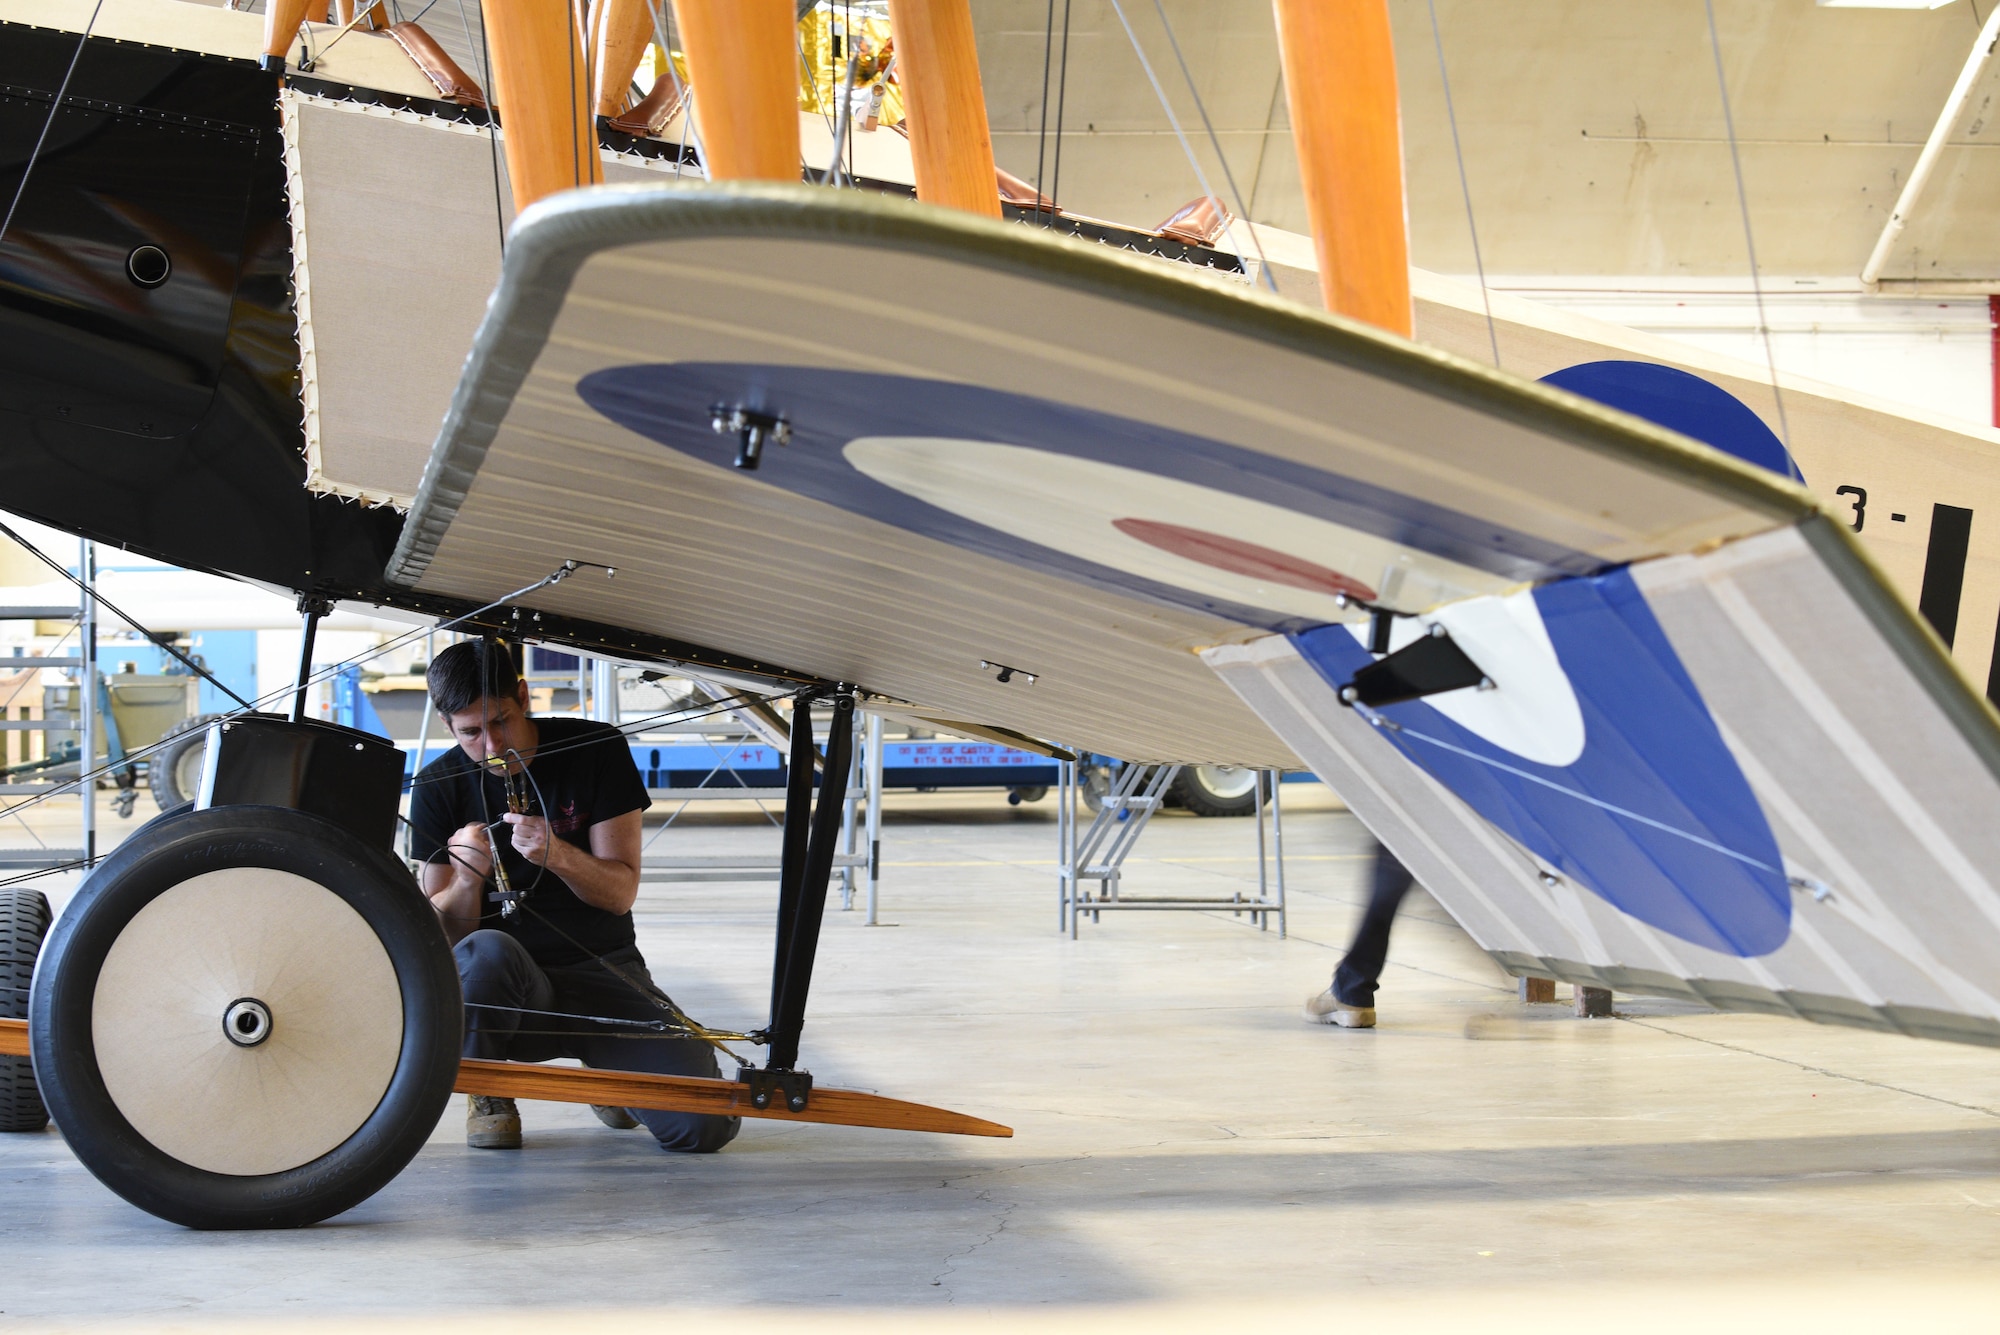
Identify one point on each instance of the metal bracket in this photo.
(1380, 621)
(794, 1087)
(1428, 666)
(751, 427)
(1004, 674)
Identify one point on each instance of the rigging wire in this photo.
(836, 172)
(1382, 721)
(1161, 93)
(683, 92)
(159, 641)
(561, 573)
(1042, 138)
(1242, 209)
(366, 13)
(1062, 98)
(1464, 187)
(55, 106)
(576, 132)
(492, 130)
(656, 996)
(647, 992)
(1749, 240)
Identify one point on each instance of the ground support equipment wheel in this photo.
(247, 1018)
(1217, 790)
(174, 771)
(24, 921)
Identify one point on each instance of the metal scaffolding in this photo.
(1098, 853)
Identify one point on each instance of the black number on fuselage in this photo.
(1860, 495)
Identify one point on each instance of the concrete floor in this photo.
(1181, 1135)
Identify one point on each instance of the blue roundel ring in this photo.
(1681, 402)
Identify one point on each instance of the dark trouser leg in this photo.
(1354, 980)
(594, 990)
(496, 970)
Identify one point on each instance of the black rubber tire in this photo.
(159, 857)
(24, 922)
(1206, 794)
(178, 745)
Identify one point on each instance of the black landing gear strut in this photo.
(807, 866)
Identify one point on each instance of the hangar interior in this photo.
(1090, 824)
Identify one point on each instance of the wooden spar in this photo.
(343, 14)
(938, 66)
(281, 28)
(542, 89)
(1340, 83)
(743, 65)
(668, 1093)
(622, 28)
(728, 1098)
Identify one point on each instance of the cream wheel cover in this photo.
(334, 1036)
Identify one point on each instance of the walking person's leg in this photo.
(494, 972)
(1350, 1001)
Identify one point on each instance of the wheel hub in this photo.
(247, 1022)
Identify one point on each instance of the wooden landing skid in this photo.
(667, 1093)
(681, 1093)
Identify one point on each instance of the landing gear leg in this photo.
(811, 834)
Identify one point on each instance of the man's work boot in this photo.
(492, 1124)
(618, 1119)
(1326, 1008)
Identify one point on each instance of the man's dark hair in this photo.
(463, 674)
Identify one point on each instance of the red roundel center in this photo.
(1242, 558)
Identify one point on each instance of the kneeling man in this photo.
(574, 849)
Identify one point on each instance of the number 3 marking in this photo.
(1860, 495)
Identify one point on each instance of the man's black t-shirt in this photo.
(582, 774)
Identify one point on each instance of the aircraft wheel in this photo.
(247, 1018)
(1217, 790)
(174, 771)
(24, 921)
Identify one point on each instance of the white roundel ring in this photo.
(1531, 708)
(256, 954)
(1181, 534)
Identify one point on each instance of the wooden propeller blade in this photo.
(728, 1098)
(667, 1093)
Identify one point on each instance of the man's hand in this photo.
(471, 852)
(606, 877)
(530, 837)
(454, 883)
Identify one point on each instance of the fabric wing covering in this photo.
(1783, 802)
(1711, 754)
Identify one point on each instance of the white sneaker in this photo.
(1329, 1009)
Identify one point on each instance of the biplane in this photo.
(1636, 706)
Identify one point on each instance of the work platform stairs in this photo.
(1097, 853)
(84, 721)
